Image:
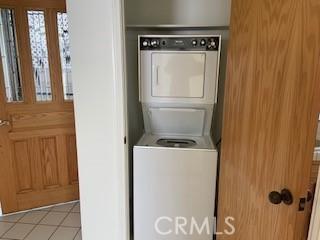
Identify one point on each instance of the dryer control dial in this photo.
(155, 43)
(211, 43)
(145, 43)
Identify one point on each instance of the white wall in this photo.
(98, 71)
(178, 12)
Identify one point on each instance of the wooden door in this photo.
(37, 147)
(270, 116)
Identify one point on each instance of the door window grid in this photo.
(64, 46)
(10, 56)
(39, 54)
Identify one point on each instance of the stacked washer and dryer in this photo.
(175, 161)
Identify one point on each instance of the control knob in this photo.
(194, 42)
(145, 43)
(203, 42)
(154, 43)
(212, 44)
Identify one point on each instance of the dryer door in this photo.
(178, 74)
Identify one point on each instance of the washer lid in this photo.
(176, 121)
(151, 140)
(176, 142)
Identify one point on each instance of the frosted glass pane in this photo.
(64, 45)
(39, 54)
(10, 57)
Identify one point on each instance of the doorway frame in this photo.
(102, 149)
(315, 220)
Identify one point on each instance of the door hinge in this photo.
(125, 140)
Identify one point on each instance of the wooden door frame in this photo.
(6, 170)
(60, 4)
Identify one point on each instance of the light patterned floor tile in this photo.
(19, 231)
(23, 225)
(41, 232)
(78, 236)
(53, 218)
(64, 233)
(64, 207)
(5, 226)
(33, 217)
(12, 218)
(76, 208)
(72, 220)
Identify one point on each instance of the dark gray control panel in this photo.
(184, 43)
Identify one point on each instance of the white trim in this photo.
(119, 55)
(36, 209)
(314, 230)
(97, 51)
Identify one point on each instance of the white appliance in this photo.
(175, 161)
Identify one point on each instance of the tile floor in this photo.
(60, 222)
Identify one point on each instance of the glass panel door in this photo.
(65, 56)
(10, 57)
(39, 53)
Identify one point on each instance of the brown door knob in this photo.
(284, 196)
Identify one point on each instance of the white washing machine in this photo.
(175, 161)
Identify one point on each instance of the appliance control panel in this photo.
(181, 43)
